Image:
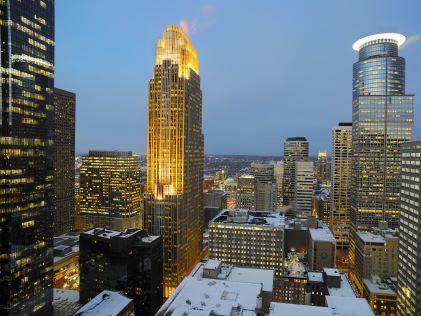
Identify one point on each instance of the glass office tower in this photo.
(382, 117)
(295, 149)
(26, 171)
(174, 199)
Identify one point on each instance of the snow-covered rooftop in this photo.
(200, 296)
(349, 306)
(345, 290)
(375, 285)
(321, 234)
(315, 276)
(283, 309)
(105, 303)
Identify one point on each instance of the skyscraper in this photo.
(264, 175)
(382, 119)
(295, 149)
(110, 191)
(26, 171)
(409, 263)
(322, 168)
(246, 192)
(173, 200)
(341, 183)
(64, 161)
(304, 176)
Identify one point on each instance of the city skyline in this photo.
(275, 106)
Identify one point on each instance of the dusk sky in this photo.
(269, 69)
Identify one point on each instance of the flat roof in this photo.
(398, 38)
(349, 306)
(380, 237)
(246, 217)
(315, 276)
(238, 274)
(105, 303)
(381, 288)
(321, 234)
(284, 309)
(62, 295)
(345, 290)
(207, 295)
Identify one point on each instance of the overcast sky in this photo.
(269, 69)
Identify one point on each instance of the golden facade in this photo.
(174, 201)
(110, 194)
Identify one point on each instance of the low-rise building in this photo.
(66, 261)
(321, 248)
(216, 289)
(376, 253)
(381, 294)
(108, 303)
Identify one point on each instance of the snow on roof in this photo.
(284, 309)
(212, 264)
(105, 303)
(246, 217)
(250, 275)
(375, 285)
(65, 295)
(321, 234)
(368, 237)
(345, 290)
(219, 296)
(349, 306)
(315, 276)
(148, 239)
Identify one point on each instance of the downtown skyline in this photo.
(271, 99)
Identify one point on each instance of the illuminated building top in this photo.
(376, 38)
(176, 47)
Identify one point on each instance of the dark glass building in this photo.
(26, 159)
(129, 262)
(64, 161)
(295, 149)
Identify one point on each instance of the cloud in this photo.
(205, 19)
(411, 40)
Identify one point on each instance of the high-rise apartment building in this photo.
(110, 191)
(128, 261)
(246, 192)
(383, 119)
(279, 175)
(409, 263)
(26, 159)
(295, 149)
(341, 183)
(265, 186)
(64, 161)
(174, 201)
(304, 176)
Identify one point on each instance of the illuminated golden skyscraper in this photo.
(173, 201)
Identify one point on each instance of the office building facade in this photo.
(304, 176)
(295, 149)
(339, 220)
(110, 191)
(246, 192)
(26, 160)
(409, 263)
(264, 175)
(175, 159)
(64, 161)
(128, 261)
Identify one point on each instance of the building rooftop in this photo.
(105, 303)
(336, 306)
(65, 246)
(378, 236)
(294, 266)
(348, 306)
(376, 285)
(237, 274)
(202, 296)
(244, 216)
(65, 302)
(375, 38)
(345, 290)
(315, 276)
(321, 233)
(296, 139)
(107, 233)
